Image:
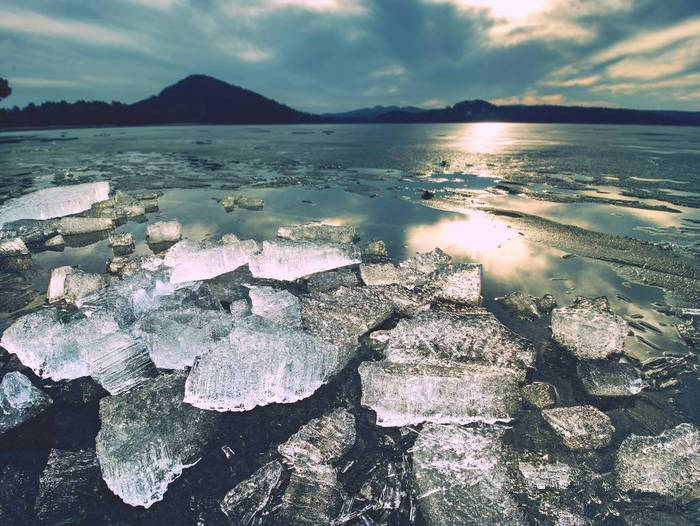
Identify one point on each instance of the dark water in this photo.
(372, 176)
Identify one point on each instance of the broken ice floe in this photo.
(442, 338)
(314, 493)
(589, 329)
(580, 427)
(147, 437)
(461, 477)
(122, 243)
(318, 231)
(527, 307)
(191, 261)
(667, 464)
(609, 379)
(74, 226)
(70, 284)
(13, 248)
(118, 362)
(402, 393)
(54, 202)
(290, 260)
(163, 232)
(50, 346)
(20, 401)
(250, 498)
(276, 306)
(261, 363)
(539, 395)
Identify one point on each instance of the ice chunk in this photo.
(427, 262)
(57, 284)
(375, 250)
(191, 262)
(604, 378)
(78, 284)
(239, 309)
(249, 203)
(588, 329)
(50, 347)
(402, 393)
(261, 364)
(121, 206)
(55, 243)
(342, 315)
(649, 517)
(318, 231)
(547, 475)
(122, 243)
(462, 478)
(20, 401)
(54, 202)
(388, 274)
(540, 395)
(322, 440)
(289, 260)
(30, 230)
(249, 498)
(313, 497)
(667, 464)
(70, 490)
(147, 437)
(175, 337)
(459, 284)
(441, 338)
(314, 494)
(13, 247)
(164, 232)
(72, 226)
(525, 306)
(118, 362)
(580, 427)
(325, 281)
(277, 306)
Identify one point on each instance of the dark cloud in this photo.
(326, 55)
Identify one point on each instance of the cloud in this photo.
(431, 104)
(649, 41)
(581, 81)
(531, 98)
(394, 70)
(163, 5)
(260, 8)
(37, 24)
(43, 83)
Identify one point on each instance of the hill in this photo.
(199, 99)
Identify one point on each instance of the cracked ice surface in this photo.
(289, 260)
(147, 437)
(20, 401)
(667, 464)
(261, 364)
(461, 477)
(441, 338)
(192, 262)
(50, 347)
(250, 497)
(318, 231)
(54, 202)
(404, 394)
(176, 337)
(276, 306)
(118, 362)
(589, 329)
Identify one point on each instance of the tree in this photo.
(5, 89)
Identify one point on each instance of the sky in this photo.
(337, 55)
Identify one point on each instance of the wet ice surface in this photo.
(417, 329)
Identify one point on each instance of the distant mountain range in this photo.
(199, 99)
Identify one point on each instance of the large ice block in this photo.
(462, 478)
(13, 247)
(164, 232)
(315, 231)
(147, 437)
(277, 306)
(175, 337)
(50, 347)
(442, 338)
(605, 378)
(289, 260)
(54, 202)
(73, 226)
(118, 362)
(250, 497)
(192, 262)
(580, 427)
(589, 329)
(402, 393)
(261, 364)
(667, 464)
(20, 401)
